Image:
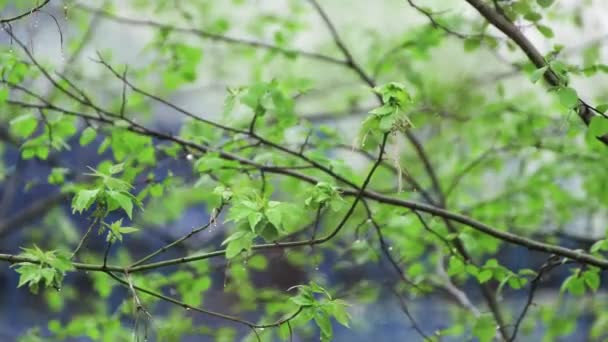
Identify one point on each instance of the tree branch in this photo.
(552, 263)
(502, 23)
(209, 35)
(25, 14)
(201, 310)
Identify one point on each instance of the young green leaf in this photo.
(238, 242)
(602, 108)
(592, 279)
(484, 328)
(338, 310)
(83, 200)
(116, 168)
(49, 271)
(124, 201)
(24, 125)
(545, 30)
(538, 74)
(324, 324)
(87, 136)
(567, 97)
(598, 127)
(471, 44)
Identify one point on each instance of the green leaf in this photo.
(545, 3)
(254, 218)
(156, 190)
(338, 311)
(57, 175)
(87, 136)
(484, 276)
(601, 245)
(124, 201)
(83, 200)
(545, 30)
(238, 242)
(4, 92)
(212, 162)
(455, 266)
(538, 74)
(592, 279)
(50, 270)
(28, 273)
(224, 193)
(274, 214)
(567, 97)
(128, 230)
(324, 323)
(303, 300)
(24, 125)
(484, 328)
(48, 275)
(304, 297)
(386, 123)
(574, 284)
(117, 168)
(472, 269)
(597, 127)
(314, 287)
(394, 94)
(233, 249)
(258, 262)
(602, 108)
(471, 44)
(323, 193)
(268, 231)
(533, 16)
(516, 282)
(284, 332)
(234, 236)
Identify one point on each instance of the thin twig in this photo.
(551, 263)
(406, 311)
(201, 310)
(210, 35)
(84, 238)
(25, 14)
(212, 220)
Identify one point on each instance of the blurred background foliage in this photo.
(495, 144)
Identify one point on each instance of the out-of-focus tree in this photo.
(423, 141)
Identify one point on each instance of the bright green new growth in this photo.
(46, 268)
